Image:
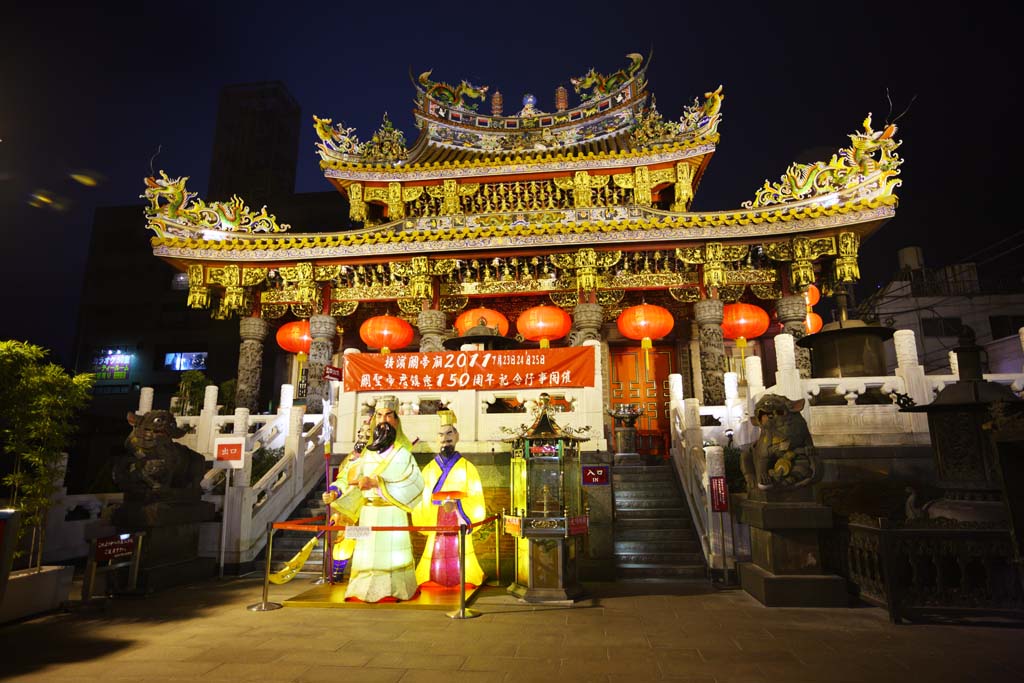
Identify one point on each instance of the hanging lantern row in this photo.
(472, 317)
(544, 323)
(294, 337)
(812, 295)
(813, 323)
(386, 332)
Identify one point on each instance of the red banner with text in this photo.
(483, 370)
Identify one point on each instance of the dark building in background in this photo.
(135, 329)
(255, 144)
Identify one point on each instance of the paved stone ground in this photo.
(625, 632)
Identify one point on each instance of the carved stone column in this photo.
(250, 362)
(432, 330)
(587, 321)
(321, 328)
(793, 315)
(708, 313)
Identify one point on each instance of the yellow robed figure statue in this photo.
(452, 496)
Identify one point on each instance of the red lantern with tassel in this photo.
(645, 323)
(386, 332)
(543, 323)
(812, 295)
(471, 318)
(744, 320)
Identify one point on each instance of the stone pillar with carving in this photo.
(793, 316)
(587, 321)
(322, 330)
(708, 314)
(432, 327)
(250, 362)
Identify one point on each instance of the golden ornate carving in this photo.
(273, 311)
(198, 292)
(684, 187)
(253, 276)
(642, 186)
(450, 304)
(750, 275)
(566, 300)
(340, 309)
(587, 263)
(410, 306)
(731, 293)
(684, 294)
(845, 268)
(610, 297)
(225, 276)
(356, 205)
(644, 280)
(767, 292)
(714, 256)
(326, 273)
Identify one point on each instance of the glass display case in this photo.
(548, 517)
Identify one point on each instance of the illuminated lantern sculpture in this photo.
(743, 320)
(813, 322)
(471, 318)
(294, 337)
(386, 332)
(543, 323)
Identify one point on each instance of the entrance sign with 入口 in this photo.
(596, 475)
(485, 370)
(332, 373)
(229, 453)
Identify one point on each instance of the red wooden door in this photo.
(632, 381)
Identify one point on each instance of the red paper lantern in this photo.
(813, 322)
(386, 332)
(294, 337)
(812, 295)
(543, 323)
(743, 320)
(471, 318)
(644, 323)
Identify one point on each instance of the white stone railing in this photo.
(688, 457)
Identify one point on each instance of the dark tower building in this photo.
(255, 144)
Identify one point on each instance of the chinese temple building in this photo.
(585, 208)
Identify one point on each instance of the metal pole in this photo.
(265, 605)
(224, 520)
(497, 551)
(90, 572)
(133, 571)
(462, 612)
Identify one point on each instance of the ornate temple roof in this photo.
(614, 123)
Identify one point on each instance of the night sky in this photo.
(88, 87)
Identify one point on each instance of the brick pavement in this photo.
(624, 632)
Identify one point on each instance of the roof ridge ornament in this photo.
(593, 85)
(456, 97)
(853, 172)
(174, 210)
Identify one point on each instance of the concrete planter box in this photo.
(33, 592)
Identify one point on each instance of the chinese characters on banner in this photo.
(719, 494)
(452, 370)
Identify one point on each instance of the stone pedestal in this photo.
(786, 569)
(432, 328)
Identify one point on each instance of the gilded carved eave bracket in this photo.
(862, 217)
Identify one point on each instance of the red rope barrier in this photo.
(304, 525)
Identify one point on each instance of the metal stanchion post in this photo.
(90, 572)
(326, 568)
(133, 571)
(462, 612)
(265, 605)
(497, 551)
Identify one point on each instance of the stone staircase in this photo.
(654, 534)
(288, 543)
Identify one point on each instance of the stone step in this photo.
(650, 513)
(658, 571)
(653, 524)
(649, 503)
(673, 558)
(635, 534)
(647, 488)
(686, 545)
(642, 473)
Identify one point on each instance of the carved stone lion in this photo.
(155, 467)
(783, 456)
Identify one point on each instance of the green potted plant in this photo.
(39, 405)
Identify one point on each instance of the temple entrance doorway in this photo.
(633, 381)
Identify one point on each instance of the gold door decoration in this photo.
(713, 256)
(587, 264)
(801, 252)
